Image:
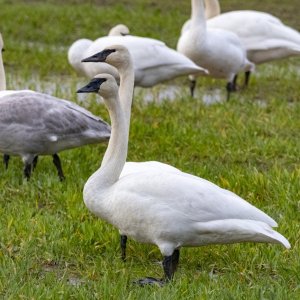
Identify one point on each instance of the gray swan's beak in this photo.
(99, 57)
(93, 86)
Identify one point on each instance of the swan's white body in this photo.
(220, 51)
(154, 62)
(33, 124)
(167, 208)
(264, 36)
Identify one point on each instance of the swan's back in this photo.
(42, 124)
(76, 52)
(260, 31)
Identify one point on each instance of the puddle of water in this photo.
(66, 88)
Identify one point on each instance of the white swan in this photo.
(217, 50)
(168, 209)
(154, 62)
(264, 36)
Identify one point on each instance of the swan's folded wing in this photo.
(195, 199)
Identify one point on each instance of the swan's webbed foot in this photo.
(170, 264)
(57, 164)
(150, 281)
(123, 241)
(6, 160)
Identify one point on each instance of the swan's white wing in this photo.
(76, 52)
(257, 30)
(198, 199)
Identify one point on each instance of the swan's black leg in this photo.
(170, 264)
(6, 160)
(34, 162)
(192, 86)
(27, 170)
(229, 88)
(247, 78)
(57, 164)
(123, 246)
(234, 83)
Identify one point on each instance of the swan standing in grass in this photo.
(166, 208)
(217, 50)
(154, 62)
(264, 36)
(33, 124)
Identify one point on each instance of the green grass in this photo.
(52, 247)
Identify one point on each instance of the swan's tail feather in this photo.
(236, 230)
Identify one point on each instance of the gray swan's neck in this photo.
(2, 75)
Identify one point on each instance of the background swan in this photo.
(217, 50)
(168, 209)
(264, 36)
(119, 30)
(33, 124)
(154, 62)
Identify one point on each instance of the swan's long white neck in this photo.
(113, 161)
(116, 153)
(198, 14)
(2, 74)
(212, 8)
(126, 91)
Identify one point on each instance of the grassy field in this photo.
(52, 247)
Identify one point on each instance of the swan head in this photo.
(116, 55)
(119, 30)
(103, 84)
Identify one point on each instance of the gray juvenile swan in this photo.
(163, 207)
(33, 124)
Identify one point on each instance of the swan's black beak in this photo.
(93, 86)
(99, 57)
